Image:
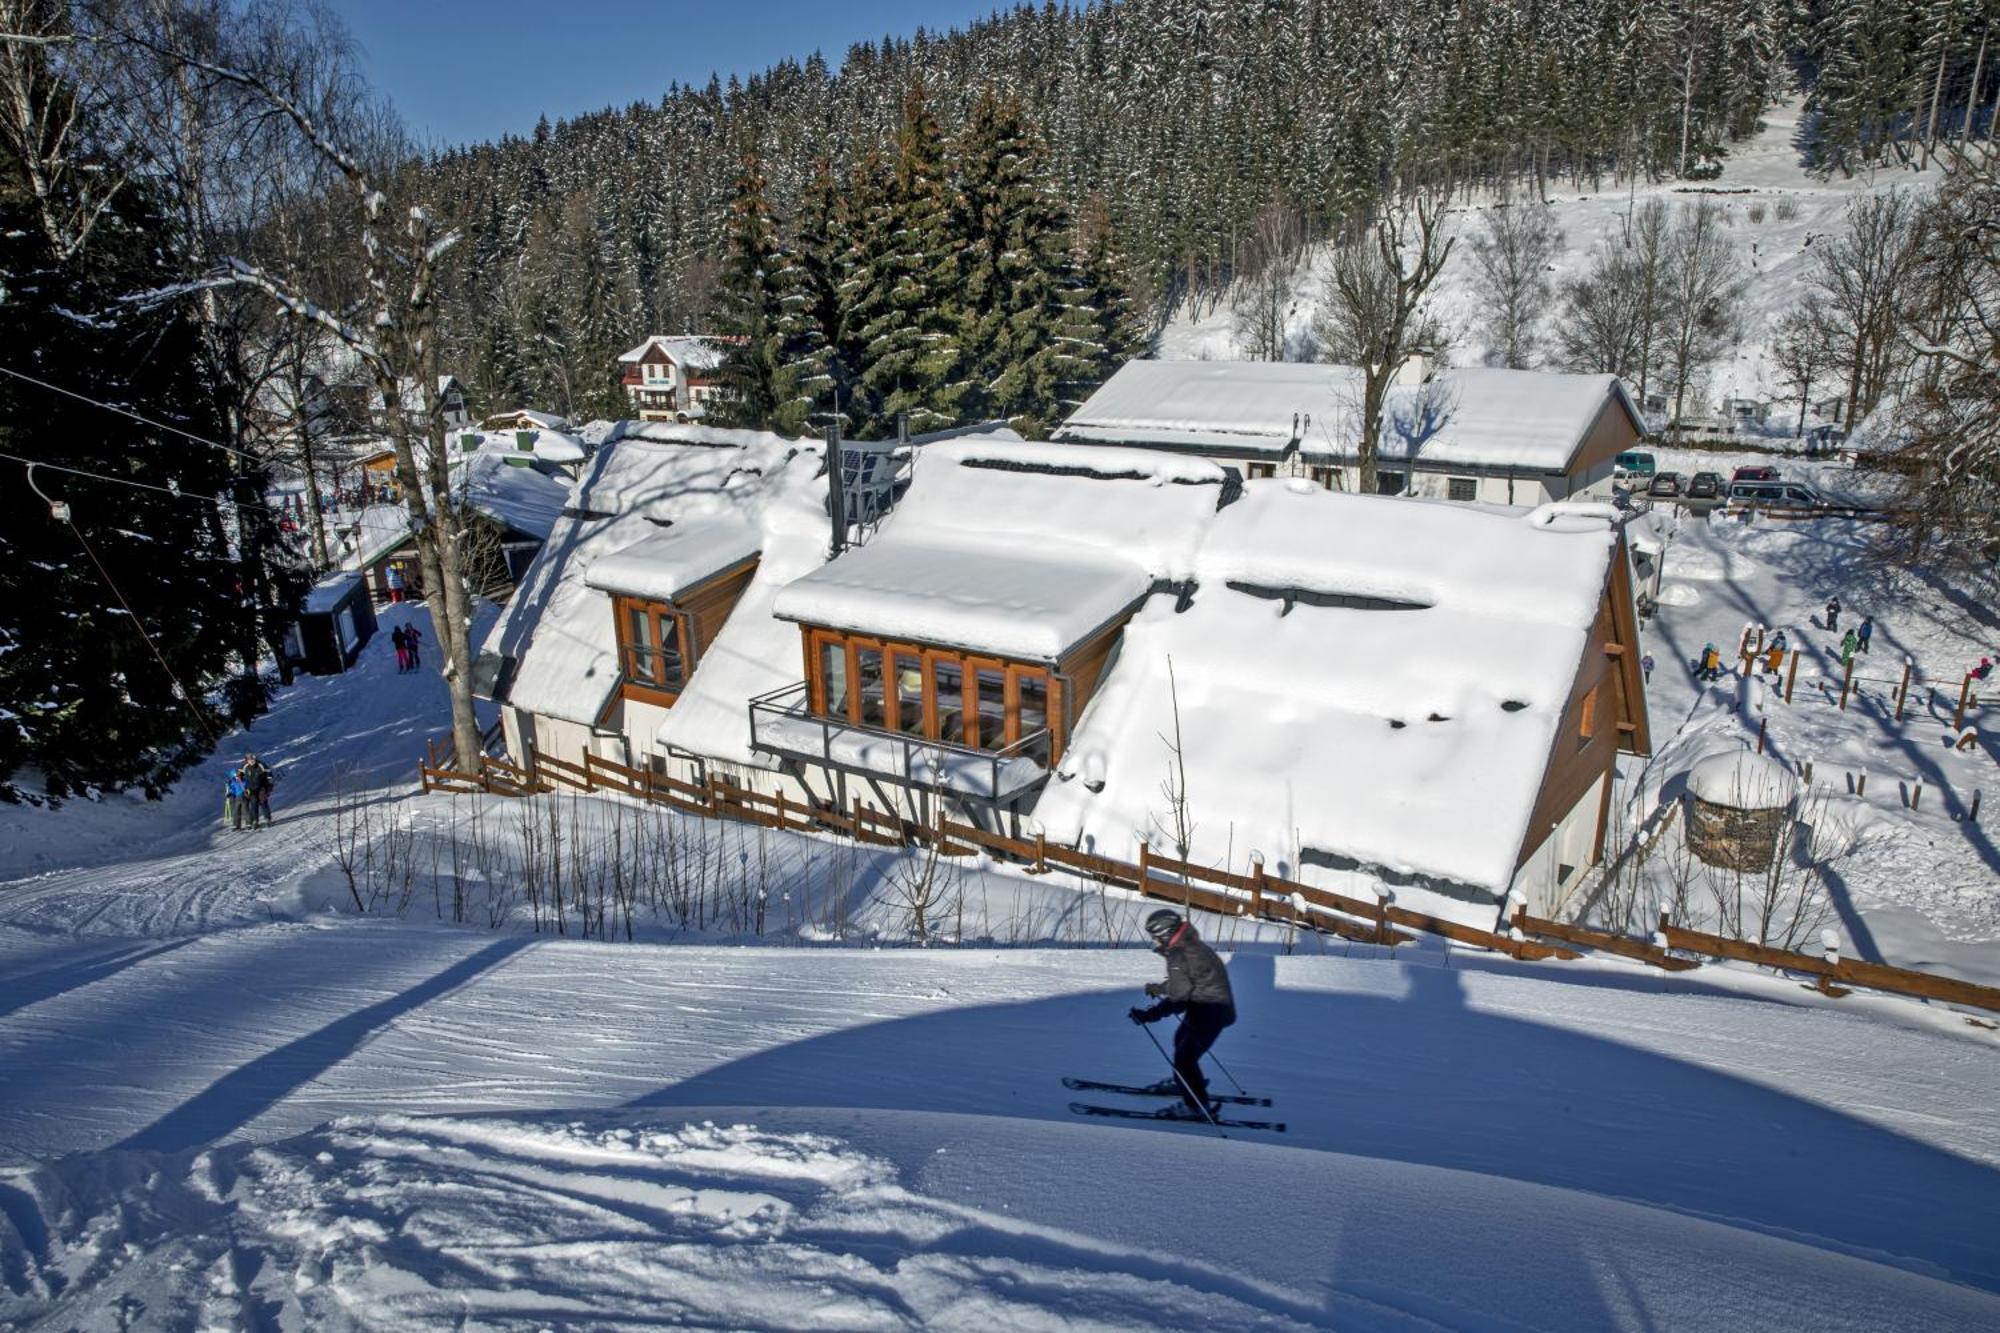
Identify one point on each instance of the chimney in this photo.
(1417, 369)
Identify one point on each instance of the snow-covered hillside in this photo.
(1775, 211)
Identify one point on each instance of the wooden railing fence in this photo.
(1257, 895)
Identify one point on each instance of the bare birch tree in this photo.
(1800, 352)
(1863, 277)
(1511, 257)
(1376, 310)
(1703, 287)
(1263, 299)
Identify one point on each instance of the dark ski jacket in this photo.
(1195, 977)
(256, 778)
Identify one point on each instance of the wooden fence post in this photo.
(1972, 811)
(781, 805)
(1903, 690)
(1846, 684)
(1830, 944)
(1964, 694)
(1381, 918)
(1041, 848)
(1145, 863)
(1762, 722)
(1917, 791)
(1256, 883)
(1792, 675)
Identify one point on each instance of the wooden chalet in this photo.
(671, 378)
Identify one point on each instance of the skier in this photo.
(402, 648)
(257, 789)
(1197, 987)
(1983, 670)
(1709, 665)
(1866, 632)
(235, 797)
(1774, 659)
(1646, 665)
(1849, 642)
(412, 636)
(1833, 612)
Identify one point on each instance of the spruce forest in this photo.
(1127, 148)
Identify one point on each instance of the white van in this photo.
(1775, 495)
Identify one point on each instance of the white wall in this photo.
(1572, 842)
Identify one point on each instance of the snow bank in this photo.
(1363, 684)
(1739, 780)
(1016, 549)
(558, 627)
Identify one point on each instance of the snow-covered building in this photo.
(454, 404)
(1475, 434)
(671, 378)
(1369, 694)
(525, 418)
(958, 650)
(633, 635)
(517, 498)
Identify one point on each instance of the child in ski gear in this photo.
(235, 797)
(1848, 643)
(1984, 669)
(1709, 667)
(1833, 613)
(1197, 988)
(1774, 659)
(1646, 666)
(1867, 631)
(395, 582)
(402, 648)
(412, 636)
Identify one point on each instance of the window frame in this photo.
(1471, 485)
(659, 616)
(899, 656)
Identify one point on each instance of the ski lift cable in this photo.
(60, 510)
(127, 412)
(174, 491)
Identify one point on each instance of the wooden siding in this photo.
(1609, 436)
(1607, 691)
(705, 606)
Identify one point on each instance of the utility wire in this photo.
(127, 412)
(145, 486)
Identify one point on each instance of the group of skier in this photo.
(246, 794)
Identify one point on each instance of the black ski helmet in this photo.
(1162, 924)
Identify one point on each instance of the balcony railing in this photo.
(782, 723)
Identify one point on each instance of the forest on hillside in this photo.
(1176, 122)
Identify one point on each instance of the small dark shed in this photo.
(337, 620)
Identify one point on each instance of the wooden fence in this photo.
(1257, 895)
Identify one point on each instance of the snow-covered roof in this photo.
(1021, 549)
(1488, 416)
(327, 594)
(547, 444)
(1246, 407)
(526, 416)
(663, 566)
(1374, 682)
(1477, 417)
(525, 499)
(557, 627)
(377, 530)
(691, 351)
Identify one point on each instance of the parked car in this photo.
(1775, 495)
(1754, 474)
(1665, 483)
(1634, 463)
(1704, 486)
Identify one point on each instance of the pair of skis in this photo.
(1178, 1111)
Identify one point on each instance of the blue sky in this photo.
(460, 70)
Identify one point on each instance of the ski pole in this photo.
(1221, 1068)
(1178, 1078)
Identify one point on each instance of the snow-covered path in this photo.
(1852, 1134)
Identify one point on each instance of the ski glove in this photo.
(1140, 1016)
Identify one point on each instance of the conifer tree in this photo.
(775, 369)
(906, 286)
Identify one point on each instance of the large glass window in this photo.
(948, 676)
(833, 678)
(906, 673)
(652, 640)
(990, 705)
(641, 648)
(873, 684)
(1033, 690)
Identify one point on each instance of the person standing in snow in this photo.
(412, 636)
(235, 798)
(395, 582)
(1833, 612)
(1866, 632)
(1646, 667)
(402, 648)
(1197, 988)
(1774, 657)
(256, 789)
(1848, 644)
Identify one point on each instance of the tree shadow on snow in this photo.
(1419, 1077)
(247, 1091)
(18, 993)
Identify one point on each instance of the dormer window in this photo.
(655, 646)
